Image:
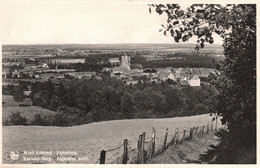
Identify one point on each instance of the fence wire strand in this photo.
(173, 138)
(149, 141)
(115, 148)
(97, 161)
(116, 160)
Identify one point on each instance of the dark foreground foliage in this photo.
(236, 155)
(236, 83)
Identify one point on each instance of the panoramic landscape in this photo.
(114, 82)
(132, 101)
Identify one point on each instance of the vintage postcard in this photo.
(133, 82)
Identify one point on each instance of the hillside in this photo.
(187, 152)
(88, 140)
(9, 106)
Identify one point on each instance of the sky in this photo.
(78, 21)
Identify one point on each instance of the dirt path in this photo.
(187, 152)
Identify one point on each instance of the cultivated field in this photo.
(88, 140)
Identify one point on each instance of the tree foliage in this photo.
(236, 83)
(81, 101)
(18, 94)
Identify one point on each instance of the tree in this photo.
(18, 94)
(236, 83)
(126, 106)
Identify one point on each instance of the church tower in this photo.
(125, 62)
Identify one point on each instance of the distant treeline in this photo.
(192, 60)
(91, 100)
(98, 62)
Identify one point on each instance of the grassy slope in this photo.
(88, 140)
(28, 112)
(187, 152)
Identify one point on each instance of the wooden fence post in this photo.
(191, 132)
(176, 136)
(153, 142)
(212, 125)
(165, 139)
(125, 152)
(102, 157)
(184, 131)
(197, 130)
(202, 130)
(216, 123)
(208, 128)
(139, 147)
(142, 153)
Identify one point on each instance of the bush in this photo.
(38, 120)
(17, 119)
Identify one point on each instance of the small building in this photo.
(5, 72)
(27, 93)
(46, 76)
(115, 61)
(194, 81)
(16, 73)
(150, 71)
(184, 83)
(166, 74)
(118, 70)
(81, 75)
(30, 66)
(129, 82)
(37, 76)
(45, 66)
(106, 69)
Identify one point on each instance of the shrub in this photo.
(38, 120)
(17, 119)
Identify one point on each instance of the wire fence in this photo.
(150, 147)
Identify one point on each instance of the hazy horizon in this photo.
(174, 44)
(82, 22)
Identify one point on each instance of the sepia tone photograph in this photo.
(128, 82)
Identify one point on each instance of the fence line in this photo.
(147, 149)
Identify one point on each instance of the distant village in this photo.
(121, 69)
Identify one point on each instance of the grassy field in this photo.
(88, 140)
(9, 106)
